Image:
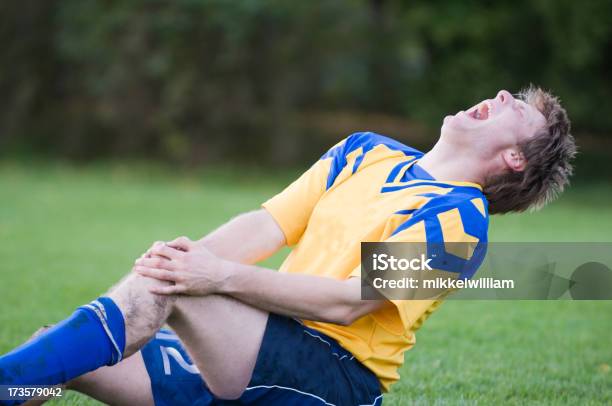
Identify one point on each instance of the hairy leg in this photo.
(144, 313)
(222, 335)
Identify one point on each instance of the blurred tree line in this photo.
(275, 81)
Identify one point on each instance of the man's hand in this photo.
(192, 267)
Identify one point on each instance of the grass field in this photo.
(68, 233)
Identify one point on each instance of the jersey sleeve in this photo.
(455, 237)
(293, 207)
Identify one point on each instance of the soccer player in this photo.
(303, 335)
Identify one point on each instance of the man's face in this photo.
(494, 124)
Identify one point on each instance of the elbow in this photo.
(343, 316)
(348, 313)
(346, 321)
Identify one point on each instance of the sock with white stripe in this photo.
(94, 336)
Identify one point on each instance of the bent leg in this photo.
(220, 339)
(222, 336)
(92, 337)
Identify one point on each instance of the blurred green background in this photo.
(122, 123)
(275, 82)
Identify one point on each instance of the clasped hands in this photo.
(192, 268)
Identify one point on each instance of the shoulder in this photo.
(459, 215)
(462, 210)
(367, 140)
(352, 151)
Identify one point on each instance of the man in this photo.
(303, 335)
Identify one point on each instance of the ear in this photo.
(514, 159)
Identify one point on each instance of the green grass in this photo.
(69, 233)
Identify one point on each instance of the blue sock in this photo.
(92, 337)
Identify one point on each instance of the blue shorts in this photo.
(296, 365)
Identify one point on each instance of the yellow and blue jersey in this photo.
(370, 188)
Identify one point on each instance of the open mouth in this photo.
(481, 111)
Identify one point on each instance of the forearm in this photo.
(247, 238)
(302, 296)
(197, 271)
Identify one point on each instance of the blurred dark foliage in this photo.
(274, 81)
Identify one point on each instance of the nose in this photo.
(504, 96)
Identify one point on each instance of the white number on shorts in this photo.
(167, 352)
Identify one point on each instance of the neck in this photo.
(446, 163)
